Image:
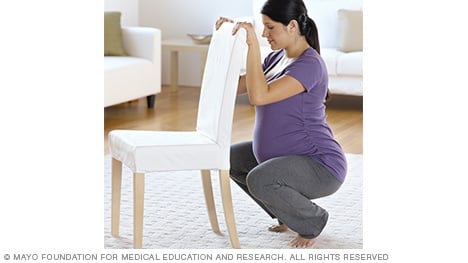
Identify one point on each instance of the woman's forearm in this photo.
(255, 82)
(255, 79)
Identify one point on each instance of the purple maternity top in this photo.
(297, 125)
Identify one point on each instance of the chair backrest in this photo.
(219, 85)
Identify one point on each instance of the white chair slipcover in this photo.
(206, 148)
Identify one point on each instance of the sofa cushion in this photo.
(349, 64)
(113, 44)
(350, 30)
(330, 57)
(345, 85)
(126, 63)
(127, 78)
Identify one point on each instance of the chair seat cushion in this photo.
(149, 151)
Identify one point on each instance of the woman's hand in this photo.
(249, 28)
(221, 20)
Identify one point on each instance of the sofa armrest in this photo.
(143, 42)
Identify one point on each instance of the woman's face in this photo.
(276, 33)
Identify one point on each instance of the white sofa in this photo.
(344, 68)
(137, 75)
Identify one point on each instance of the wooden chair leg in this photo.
(210, 204)
(228, 208)
(138, 207)
(116, 194)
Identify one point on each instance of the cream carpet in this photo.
(176, 216)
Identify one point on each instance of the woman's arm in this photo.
(260, 92)
(275, 91)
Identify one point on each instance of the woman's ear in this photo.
(293, 26)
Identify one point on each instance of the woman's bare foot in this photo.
(300, 242)
(278, 228)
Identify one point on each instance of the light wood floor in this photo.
(177, 112)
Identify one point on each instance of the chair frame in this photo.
(138, 203)
(139, 186)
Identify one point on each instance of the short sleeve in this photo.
(308, 70)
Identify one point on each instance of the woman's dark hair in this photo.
(284, 11)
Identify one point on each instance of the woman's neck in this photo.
(297, 48)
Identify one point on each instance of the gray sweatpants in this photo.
(284, 187)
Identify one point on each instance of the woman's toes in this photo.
(278, 228)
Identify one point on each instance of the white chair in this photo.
(205, 149)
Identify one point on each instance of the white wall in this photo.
(128, 8)
(176, 18)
